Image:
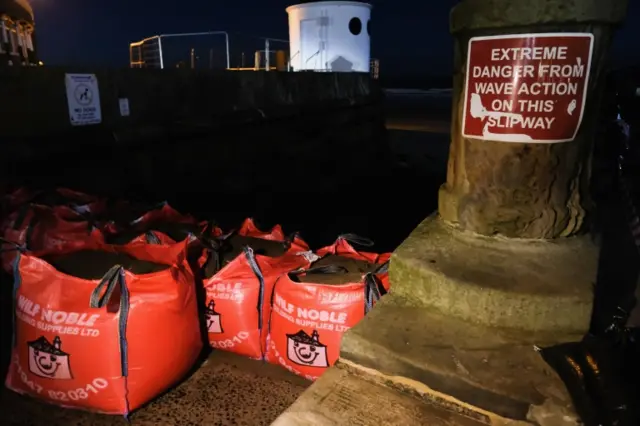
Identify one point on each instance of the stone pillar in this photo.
(525, 190)
(505, 264)
(526, 98)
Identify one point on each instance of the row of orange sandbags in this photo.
(106, 322)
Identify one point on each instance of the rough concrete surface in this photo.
(226, 390)
(345, 395)
(539, 286)
(484, 367)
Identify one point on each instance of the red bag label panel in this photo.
(148, 330)
(307, 324)
(236, 299)
(163, 332)
(528, 88)
(60, 347)
(232, 315)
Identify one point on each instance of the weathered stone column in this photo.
(535, 189)
(506, 264)
(506, 249)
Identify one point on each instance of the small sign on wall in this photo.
(83, 98)
(529, 88)
(124, 107)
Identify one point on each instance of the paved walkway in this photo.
(345, 395)
(227, 390)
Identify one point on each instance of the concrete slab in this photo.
(348, 395)
(530, 285)
(481, 366)
(226, 390)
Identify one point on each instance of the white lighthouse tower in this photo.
(330, 36)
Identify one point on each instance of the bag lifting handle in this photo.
(203, 234)
(39, 196)
(15, 246)
(211, 224)
(100, 298)
(22, 215)
(357, 240)
(373, 291)
(25, 208)
(327, 269)
(104, 290)
(253, 263)
(382, 269)
(27, 237)
(152, 238)
(288, 241)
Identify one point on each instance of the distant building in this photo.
(17, 44)
(330, 36)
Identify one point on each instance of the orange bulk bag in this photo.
(343, 247)
(309, 318)
(14, 199)
(163, 219)
(65, 202)
(153, 237)
(236, 315)
(76, 197)
(163, 214)
(107, 345)
(40, 229)
(78, 202)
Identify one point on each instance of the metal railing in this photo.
(148, 53)
(267, 54)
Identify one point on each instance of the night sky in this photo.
(406, 34)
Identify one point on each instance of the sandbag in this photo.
(77, 202)
(311, 310)
(250, 261)
(40, 229)
(143, 218)
(119, 213)
(109, 338)
(159, 233)
(164, 222)
(343, 253)
(601, 377)
(66, 203)
(15, 198)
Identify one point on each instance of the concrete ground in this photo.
(347, 395)
(227, 390)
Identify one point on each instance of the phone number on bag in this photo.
(230, 343)
(92, 388)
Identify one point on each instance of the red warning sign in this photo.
(529, 88)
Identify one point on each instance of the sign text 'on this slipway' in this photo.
(529, 88)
